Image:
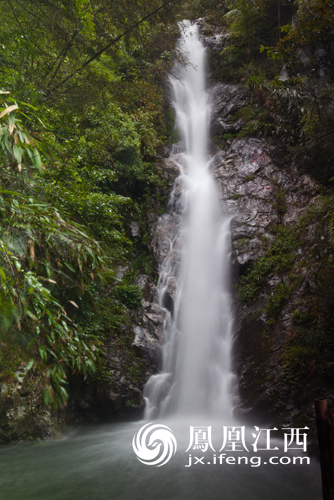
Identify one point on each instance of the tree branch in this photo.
(20, 25)
(324, 135)
(106, 47)
(62, 55)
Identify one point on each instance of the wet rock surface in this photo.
(130, 358)
(249, 180)
(226, 100)
(165, 244)
(127, 358)
(214, 37)
(23, 414)
(128, 361)
(260, 193)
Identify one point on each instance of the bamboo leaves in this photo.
(8, 110)
(42, 255)
(19, 146)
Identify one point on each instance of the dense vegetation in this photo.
(283, 51)
(81, 119)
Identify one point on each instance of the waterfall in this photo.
(194, 284)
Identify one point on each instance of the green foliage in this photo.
(18, 146)
(130, 402)
(280, 199)
(143, 264)
(78, 137)
(129, 295)
(279, 298)
(251, 283)
(78, 133)
(278, 258)
(256, 81)
(45, 261)
(300, 104)
(135, 372)
(288, 66)
(256, 120)
(173, 135)
(244, 22)
(308, 355)
(212, 10)
(246, 113)
(249, 24)
(11, 356)
(302, 258)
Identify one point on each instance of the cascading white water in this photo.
(98, 461)
(196, 374)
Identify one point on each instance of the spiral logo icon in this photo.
(154, 444)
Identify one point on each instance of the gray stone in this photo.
(22, 410)
(226, 100)
(134, 229)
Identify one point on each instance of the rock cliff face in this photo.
(252, 184)
(282, 269)
(264, 196)
(23, 414)
(129, 359)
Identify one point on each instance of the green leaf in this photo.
(17, 152)
(71, 268)
(47, 398)
(37, 160)
(42, 352)
(29, 105)
(17, 265)
(3, 274)
(30, 364)
(8, 110)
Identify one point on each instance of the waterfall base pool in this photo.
(98, 463)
